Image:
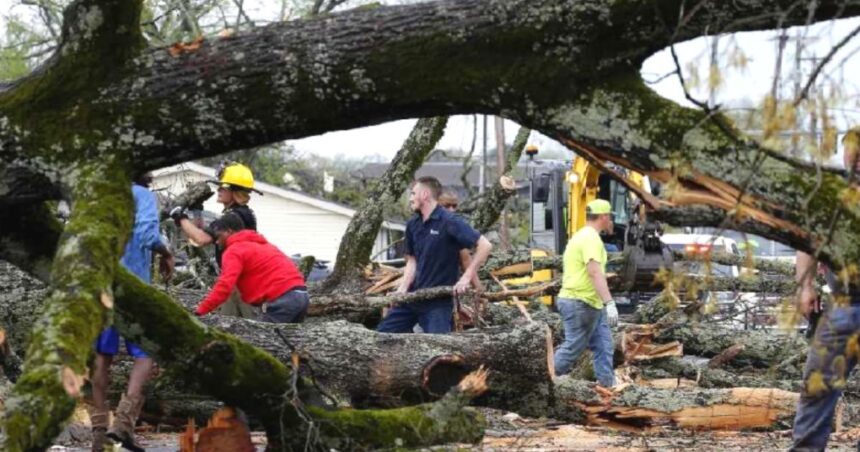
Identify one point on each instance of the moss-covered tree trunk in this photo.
(357, 242)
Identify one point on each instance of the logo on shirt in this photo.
(434, 232)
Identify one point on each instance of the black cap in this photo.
(228, 222)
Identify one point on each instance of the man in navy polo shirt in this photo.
(434, 238)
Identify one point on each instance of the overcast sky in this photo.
(740, 88)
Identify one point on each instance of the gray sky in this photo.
(740, 88)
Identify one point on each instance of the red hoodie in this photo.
(260, 270)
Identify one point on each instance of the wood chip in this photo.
(106, 299)
(72, 382)
(182, 47)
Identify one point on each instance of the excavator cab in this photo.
(560, 190)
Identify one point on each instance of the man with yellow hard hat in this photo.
(235, 184)
(584, 302)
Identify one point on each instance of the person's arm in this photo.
(195, 234)
(231, 268)
(465, 260)
(804, 274)
(482, 252)
(408, 274)
(598, 279)
(147, 228)
(167, 262)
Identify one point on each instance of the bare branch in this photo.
(818, 68)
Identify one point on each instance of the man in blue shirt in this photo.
(145, 238)
(434, 238)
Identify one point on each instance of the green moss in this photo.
(222, 366)
(400, 427)
(82, 273)
(99, 40)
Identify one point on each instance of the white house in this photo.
(294, 222)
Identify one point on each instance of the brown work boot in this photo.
(124, 420)
(99, 421)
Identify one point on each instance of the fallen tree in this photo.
(105, 107)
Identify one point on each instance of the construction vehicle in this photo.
(560, 190)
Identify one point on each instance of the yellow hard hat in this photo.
(235, 175)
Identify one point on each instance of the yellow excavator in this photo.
(560, 190)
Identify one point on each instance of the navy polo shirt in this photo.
(436, 245)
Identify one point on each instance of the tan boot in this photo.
(99, 420)
(124, 420)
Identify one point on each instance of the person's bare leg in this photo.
(130, 405)
(139, 376)
(101, 380)
(100, 414)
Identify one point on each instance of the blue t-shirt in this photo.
(436, 245)
(144, 236)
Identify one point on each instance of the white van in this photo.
(703, 244)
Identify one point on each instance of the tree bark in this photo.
(172, 105)
(380, 369)
(637, 408)
(192, 198)
(357, 242)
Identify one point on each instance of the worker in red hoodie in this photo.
(265, 276)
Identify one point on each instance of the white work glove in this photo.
(611, 313)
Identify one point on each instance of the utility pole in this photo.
(713, 71)
(812, 98)
(801, 41)
(798, 77)
(504, 233)
(482, 174)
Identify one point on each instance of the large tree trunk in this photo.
(373, 368)
(603, 110)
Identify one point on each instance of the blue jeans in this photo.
(585, 326)
(828, 359)
(433, 316)
(290, 307)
